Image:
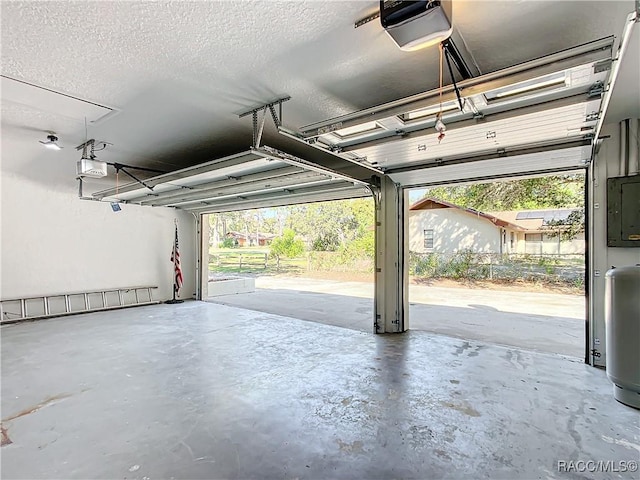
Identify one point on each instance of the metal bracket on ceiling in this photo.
(269, 152)
(461, 57)
(276, 116)
(367, 19)
(375, 187)
(86, 144)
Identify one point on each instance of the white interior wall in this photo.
(53, 242)
(606, 165)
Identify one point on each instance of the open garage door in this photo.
(538, 117)
(260, 177)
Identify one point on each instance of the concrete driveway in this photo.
(551, 323)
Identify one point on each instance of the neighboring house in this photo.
(537, 238)
(249, 240)
(438, 226)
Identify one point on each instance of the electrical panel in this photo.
(623, 211)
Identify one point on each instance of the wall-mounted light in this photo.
(51, 142)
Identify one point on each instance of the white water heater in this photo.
(622, 317)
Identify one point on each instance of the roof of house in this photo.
(432, 203)
(534, 219)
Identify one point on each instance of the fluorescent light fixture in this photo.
(357, 129)
(51, 142)
(533, 85)
(425, 112)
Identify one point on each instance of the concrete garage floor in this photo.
(543, 322)
(200, 390)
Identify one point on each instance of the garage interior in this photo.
(164, 112)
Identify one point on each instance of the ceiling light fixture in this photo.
(51, 142)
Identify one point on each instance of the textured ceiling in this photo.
(180, 72)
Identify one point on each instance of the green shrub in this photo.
(361, 248)
(287, 245)
(227, 243)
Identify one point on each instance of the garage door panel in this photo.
(555, 125)
(336, 191)
(556, 159)
(264, 176)
(232, 181)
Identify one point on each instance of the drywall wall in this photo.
(53, 242)
(606, 165)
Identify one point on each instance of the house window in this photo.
(428, 239)
(532, 237)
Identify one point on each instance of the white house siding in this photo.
(454, 230)
(553, 246)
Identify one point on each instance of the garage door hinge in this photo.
(592, 117)
(595, 353)
(602, 66)
(596, 89)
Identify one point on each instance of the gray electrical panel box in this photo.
(623, 211)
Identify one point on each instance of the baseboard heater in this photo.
(56, 305)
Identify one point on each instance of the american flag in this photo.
(175, 258)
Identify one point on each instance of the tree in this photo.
(328, 226)
(568, 228)
(554, 191)
(557, 191)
